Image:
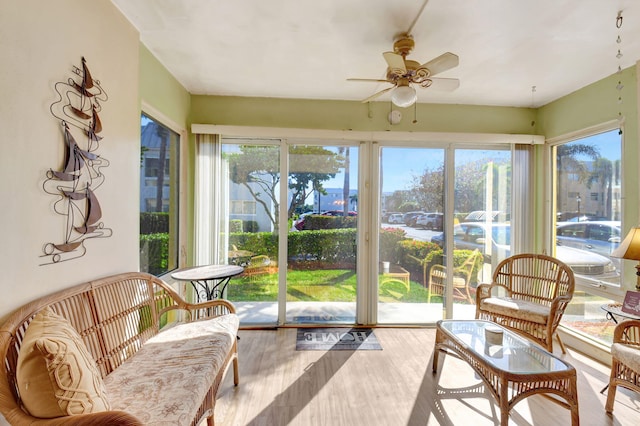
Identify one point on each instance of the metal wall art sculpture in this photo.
(75, 183)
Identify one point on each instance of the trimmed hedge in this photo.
(154, 223)
(326, 245)
(318, 221)
(154, 253)
(329, 245)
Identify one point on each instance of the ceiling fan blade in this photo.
(395, 62)
(368, 80)
(444, 84)
(444, 62)
(375, 95)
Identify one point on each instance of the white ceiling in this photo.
(308, 48)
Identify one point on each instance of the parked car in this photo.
(481, 215)
(396, 218)
(471, 236)
(430, 221)
(338, 213)
(410, 218)
(600, 237)
(585, 218)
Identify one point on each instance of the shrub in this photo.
(154, 222)
(154, 253)
(318, 221)
(249, 226)
(235, 225)
(329, 245)
(411, 254)
(389, 240)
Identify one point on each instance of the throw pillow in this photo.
(56, 374)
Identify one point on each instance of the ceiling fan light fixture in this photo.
(404, 96)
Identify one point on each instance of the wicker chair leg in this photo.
(611, 397)
(564, 351)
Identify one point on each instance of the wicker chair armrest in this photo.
(560, 303)
(105, 418)
(627, 332)
(209, 309)
(484, 290)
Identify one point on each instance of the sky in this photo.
(400, 165)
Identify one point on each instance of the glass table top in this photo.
(515, 355)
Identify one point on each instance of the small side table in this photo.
(209, 282)
(614, 310)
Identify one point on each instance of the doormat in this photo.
(336, 339)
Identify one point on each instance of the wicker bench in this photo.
(143, 375)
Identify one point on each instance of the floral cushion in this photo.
(56, 375)
(514, 308)
(165, 382)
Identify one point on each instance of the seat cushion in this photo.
(165, 382)
(514, 308)
(627, 354)
(56, 374)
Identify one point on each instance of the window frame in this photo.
(181, 220)
(596, 287)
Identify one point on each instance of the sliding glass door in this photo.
(428, 194)
(321, 279)
(299, 215)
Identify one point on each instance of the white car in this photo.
(430, 221)
(396, 218)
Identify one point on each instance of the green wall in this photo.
(159, 89)
(352, 115)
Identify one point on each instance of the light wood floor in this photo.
(395, 386)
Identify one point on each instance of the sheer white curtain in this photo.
(523, 190)
(211, 202)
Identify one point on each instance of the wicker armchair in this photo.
(537, 290)
(625, 354)
(461, 279)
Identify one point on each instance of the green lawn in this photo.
(319, 285)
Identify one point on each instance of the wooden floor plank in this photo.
(395, 386)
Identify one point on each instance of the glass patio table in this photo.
(513, 369)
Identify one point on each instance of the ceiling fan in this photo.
(402, 72)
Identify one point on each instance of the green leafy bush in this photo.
(154, 222)
(235, 225)
(154, 253)
(411, 254)
(250, 226)
(389, 240)
(317, 221)
(329, 245)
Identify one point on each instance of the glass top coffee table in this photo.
(513, 370)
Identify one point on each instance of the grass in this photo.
(333, 285)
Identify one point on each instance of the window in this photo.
(159, 160)
(588, 211)
(243, 207)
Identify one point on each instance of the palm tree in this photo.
(345, 186)
(567, 162)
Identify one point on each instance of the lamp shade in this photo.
(630, 246)
(404, 96)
